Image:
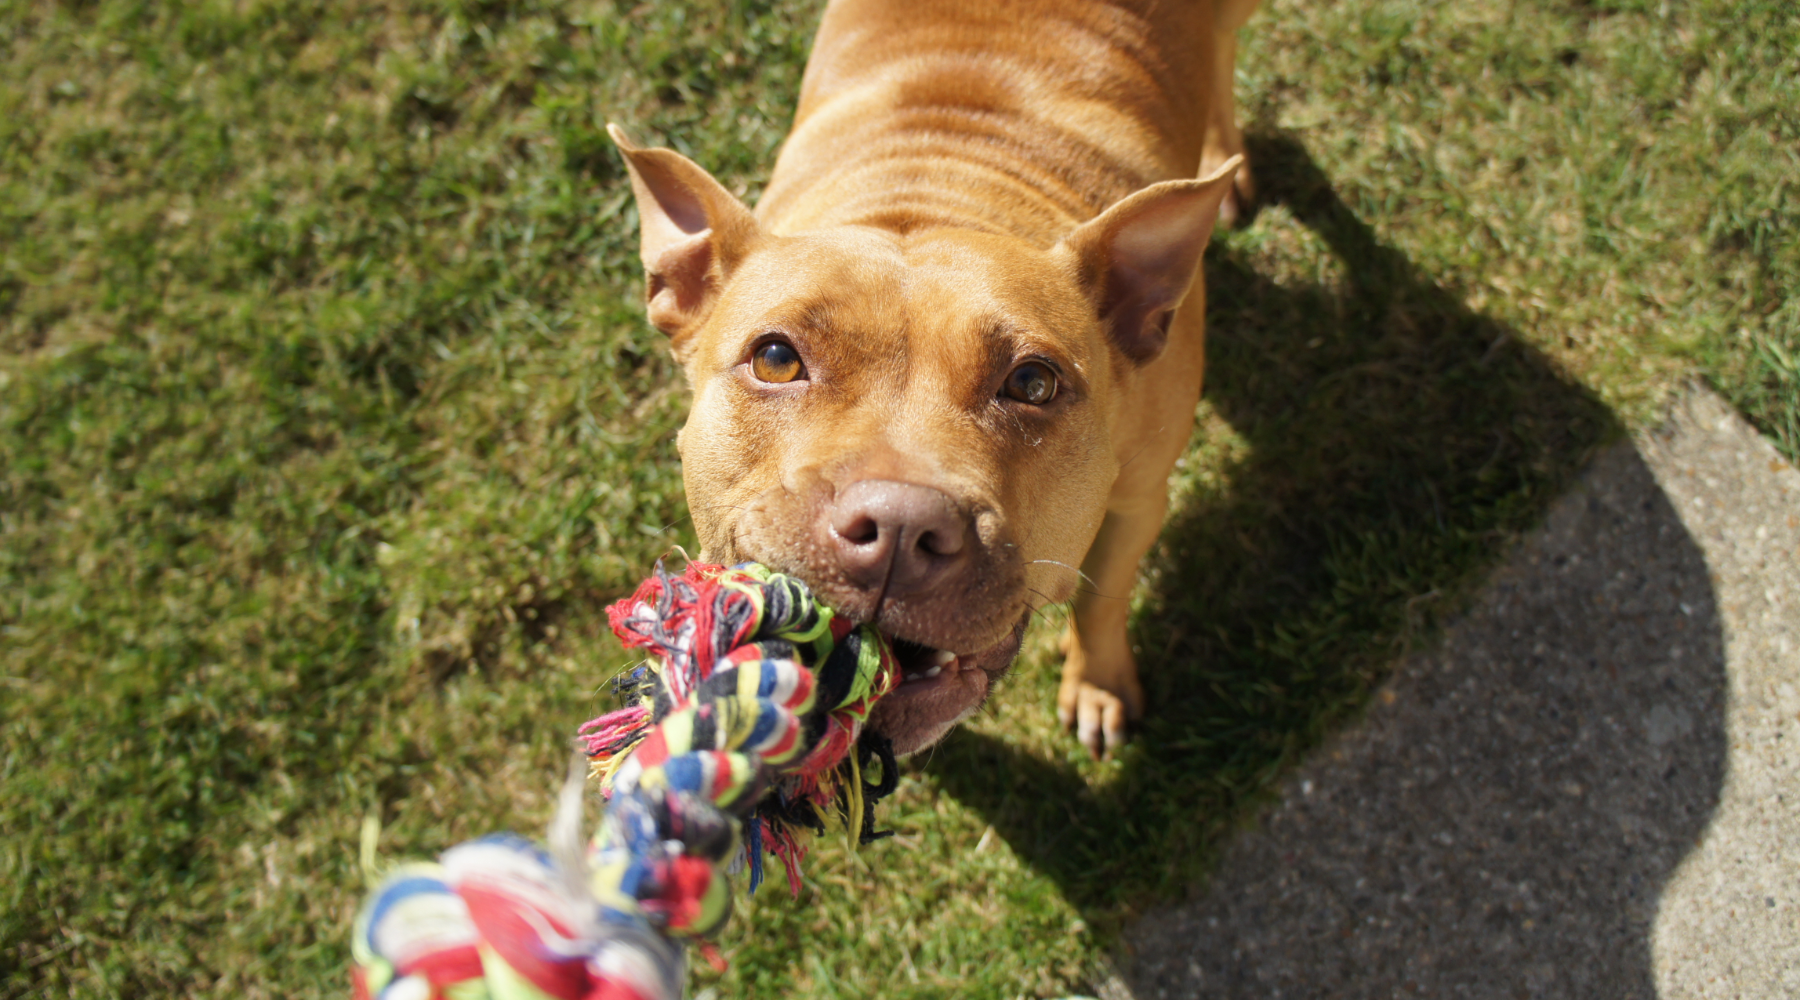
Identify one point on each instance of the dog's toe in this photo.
(1099, 718)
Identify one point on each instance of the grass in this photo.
(329, 423)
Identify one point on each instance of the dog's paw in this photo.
(1097, 703)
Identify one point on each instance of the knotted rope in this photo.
(746, 728)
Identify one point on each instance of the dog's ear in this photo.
(693, 233)
(1138, 258)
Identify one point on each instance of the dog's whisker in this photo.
(689, 516)
(1039, 610)
(1136, 454)
(1055, 562)
(931, 752)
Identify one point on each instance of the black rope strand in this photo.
(874, 746)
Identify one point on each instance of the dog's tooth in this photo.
(943, 657)
(934, 671)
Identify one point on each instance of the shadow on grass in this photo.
(1397, 442)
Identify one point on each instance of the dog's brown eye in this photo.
(1032, 382)
(777, 361)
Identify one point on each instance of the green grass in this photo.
(329, 423)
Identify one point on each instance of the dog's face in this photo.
(891, 420)
(918, 426)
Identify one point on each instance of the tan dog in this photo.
(943, 364)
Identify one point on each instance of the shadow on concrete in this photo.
(1502, 822)
(1397, 443)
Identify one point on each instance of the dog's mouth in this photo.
(919, 662)
(939, 688)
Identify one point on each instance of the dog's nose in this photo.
(903, 535)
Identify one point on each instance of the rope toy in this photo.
(746, 729)
(747, 659)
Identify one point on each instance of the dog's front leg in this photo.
(1144, 253)
(1100, 692)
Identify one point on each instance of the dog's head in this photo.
(918, 425)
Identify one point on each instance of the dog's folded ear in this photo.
(693, 233)
(1138, 258)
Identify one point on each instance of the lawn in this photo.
(329, 423)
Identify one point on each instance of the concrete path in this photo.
(1589, 789)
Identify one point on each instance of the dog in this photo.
(943, 370)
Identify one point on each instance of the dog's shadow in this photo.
(1394, 444)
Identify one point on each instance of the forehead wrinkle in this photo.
(944, 330)
(933, 262)
(830, 261)
(954, 308)
(838, 290)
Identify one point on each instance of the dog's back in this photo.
(1026, 117)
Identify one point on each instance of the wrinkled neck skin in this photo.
(909, 251)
